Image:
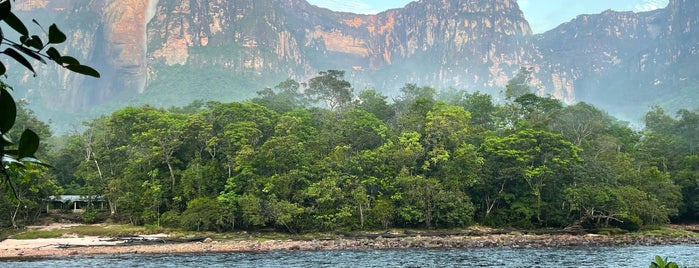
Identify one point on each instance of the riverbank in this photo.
(162, 244)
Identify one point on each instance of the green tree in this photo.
(202, 151)
(481, 107)
(519, 85)
(18, 157)
(361, 130)
(536, 155)
(204, 214)
(412, 107)
(595, 195)
(669, 144)
(533, 111)
(95, 169)
(415, 199)
(688, 179)
(330, 87)
(375, 103)
(285, 97)
(446, 129)
(163, 135)
(33, 183)
(581, 123)
(152, 201)
(412, 92)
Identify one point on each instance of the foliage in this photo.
(664, 231)
(90, 216)
(660, 262)
(90, 230)
(203, 214)
(18, 161)
(519, 85)
(330, 87)
(277, 163)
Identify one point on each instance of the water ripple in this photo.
(633, 256)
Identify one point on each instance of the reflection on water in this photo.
(637, 256)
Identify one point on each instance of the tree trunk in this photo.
(428, 213)
(112, 205)
(14, 215)
(361, 216)
(538, 207)
(97, 165)
(172, 172)
(490, 204)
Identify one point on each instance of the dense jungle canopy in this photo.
(316, 156)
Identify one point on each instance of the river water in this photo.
(634, 256)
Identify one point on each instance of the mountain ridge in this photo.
(227, 50)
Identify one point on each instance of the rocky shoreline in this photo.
(56, 249)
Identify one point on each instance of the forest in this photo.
(315, 156)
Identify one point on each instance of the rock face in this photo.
(108, 35)
(625, 61)
(172, 52)
(441, 43)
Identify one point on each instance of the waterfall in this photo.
(151, 8)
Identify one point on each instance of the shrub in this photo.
(632, 223)
(90, 215)
(170, 219)
(204, 214)
(663, 263)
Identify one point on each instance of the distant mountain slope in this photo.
(475, 44)
(624, 61)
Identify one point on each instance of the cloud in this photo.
(523, 4)
(650, 5)
(354, 6)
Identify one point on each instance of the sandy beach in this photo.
(159, 244)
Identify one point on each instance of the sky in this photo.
(543, 15)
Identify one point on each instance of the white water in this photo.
(151, 8)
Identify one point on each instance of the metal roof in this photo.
(74, 198)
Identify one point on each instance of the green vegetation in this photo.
(20, 170)
(663, 263)
(664, 232)
(91, 230)
(279, 163)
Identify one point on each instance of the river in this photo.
(633, 256)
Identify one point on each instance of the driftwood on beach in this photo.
(137, 240)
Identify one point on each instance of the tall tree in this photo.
(519, 85)
(285, 97)
(162, 137)
(537, 156)
(330, 87)
(481, 107)
(375, 103)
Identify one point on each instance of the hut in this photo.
(76, 203)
